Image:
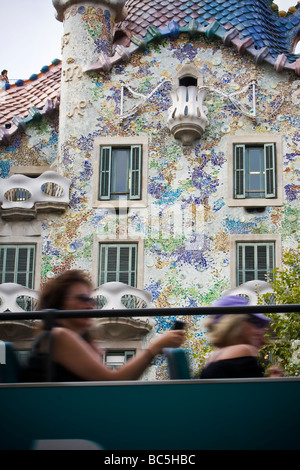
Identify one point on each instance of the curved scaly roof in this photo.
(252, 26)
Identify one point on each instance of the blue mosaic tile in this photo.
(243, 14)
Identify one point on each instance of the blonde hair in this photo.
(226, 330)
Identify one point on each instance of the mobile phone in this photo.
(178, 325)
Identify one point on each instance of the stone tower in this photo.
(88, 34)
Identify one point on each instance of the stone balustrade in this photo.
(22, 196)
(14, 297)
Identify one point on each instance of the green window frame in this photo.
(255, 171)
(118, 263)
(17, 264)
(255, 261)
(120, 172)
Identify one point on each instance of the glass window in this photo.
(17, 265)
(118, 262)
(115, 359)
(120, 172)
(254, 261)
(254, 171)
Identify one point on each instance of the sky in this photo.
(31, 35)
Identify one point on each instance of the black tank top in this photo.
(41, 368)
(238, 367)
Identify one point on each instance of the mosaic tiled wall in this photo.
(179, 271)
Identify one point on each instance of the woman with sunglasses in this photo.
(238, 338)
(74, 356)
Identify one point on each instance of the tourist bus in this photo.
(180, 413)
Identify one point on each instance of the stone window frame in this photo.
(140, 256)
(255, 139)
(28, 240)
(29, 170)
(252, 238)
(116, 141)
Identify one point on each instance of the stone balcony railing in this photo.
(21, 196)
(16, 298)
(110, 296)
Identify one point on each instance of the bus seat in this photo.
(178, 366)
(10, 367)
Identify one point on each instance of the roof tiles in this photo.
(246, 24)
(247, 16)
(17, 101)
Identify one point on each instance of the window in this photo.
(118, 262)
(17, 265)
(254, 171)
(120, 172)
(115, 359)
(254, 261)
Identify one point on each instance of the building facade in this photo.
(162, 152)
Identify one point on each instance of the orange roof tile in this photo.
(17, 100)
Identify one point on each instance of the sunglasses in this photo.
(85, 298)
(256, 322)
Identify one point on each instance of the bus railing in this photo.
(149, 312)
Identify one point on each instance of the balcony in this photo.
(22, 197)
(112, 295)
(116, 295)
(187, 116)
(187, 120)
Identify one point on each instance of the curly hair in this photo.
(54, 292)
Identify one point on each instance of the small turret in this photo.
(88, 34)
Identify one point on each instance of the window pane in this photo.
(249, 276)
(17, 266)
(112, 258)
(124, 258)
(249, 257)
(254, 261)
(119, 263)
(114, 359)
(262, 257)
(120, 172)
(10, 260)
(255, 172)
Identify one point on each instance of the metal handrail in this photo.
(148, 312)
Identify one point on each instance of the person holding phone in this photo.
(74, 355)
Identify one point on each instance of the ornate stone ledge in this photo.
(21, 197)
(121, 328)
(9, 293)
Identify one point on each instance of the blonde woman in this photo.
(238, 338)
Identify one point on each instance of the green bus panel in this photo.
(177, 415)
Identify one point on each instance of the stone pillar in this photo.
(88, 33)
